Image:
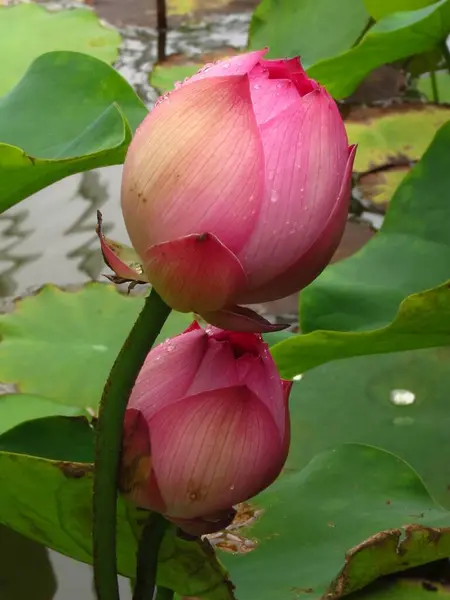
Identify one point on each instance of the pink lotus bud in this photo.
(236, 187)
(206, 427)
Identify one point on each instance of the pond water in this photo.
(50, 237)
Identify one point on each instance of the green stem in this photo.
(368, 26)
(108, 441)
(147, 559)
(446, 53)
(434, 87)
(163, 593)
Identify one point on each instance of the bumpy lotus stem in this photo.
(108, 442)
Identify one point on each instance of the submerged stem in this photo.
(108, 440)
(147, 559)
(434, 87)
(163, 593)
(161, 18)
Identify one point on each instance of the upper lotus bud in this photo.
(236, 186)
(206, 427)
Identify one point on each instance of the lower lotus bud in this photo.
(206, 427)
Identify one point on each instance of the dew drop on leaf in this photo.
(402, 397)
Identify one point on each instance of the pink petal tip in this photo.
(111, 255)
(194, 273)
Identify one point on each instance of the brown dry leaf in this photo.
(379, 186)
(230, 539)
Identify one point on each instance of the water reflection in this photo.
(11, 232)
(74, 580)
(139, 48)
(50, 237)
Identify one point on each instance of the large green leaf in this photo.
(398, 402)
(423, 321)
(61, 345)
(411, 253)
(16, 408)
(29, 30)
(380, 8)
(337, 525)
(50, 500)
(68, 439)
(307, 27)
(69, 113)
(396, 36)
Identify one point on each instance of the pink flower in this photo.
(236, 187)
(206, 427)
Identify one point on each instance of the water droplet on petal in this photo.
(226, 65)
(402, 397)
(161, 99)
(274, 196)
(256, 86)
